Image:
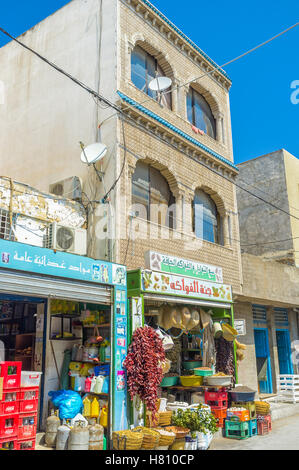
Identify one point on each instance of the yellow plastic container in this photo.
(191, 381)
(104, 417)
(87, 407)
(95, 409)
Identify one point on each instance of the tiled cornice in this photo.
(165, 130)
(160, 22)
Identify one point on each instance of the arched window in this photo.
(199, 113)
(145, 68)
(151, 190)
(206, 219)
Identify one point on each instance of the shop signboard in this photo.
(42, 261)
(176, 265)
(240, 326)
(183, 286)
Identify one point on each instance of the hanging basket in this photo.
(127, 440)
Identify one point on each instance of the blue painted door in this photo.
(284, 351)
(263, 361)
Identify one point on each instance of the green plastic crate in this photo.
(237, 430)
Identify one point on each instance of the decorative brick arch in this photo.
(215, 197)
(139, 39)
(168, 175)
(209, 97)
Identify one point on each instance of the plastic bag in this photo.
(68, 402)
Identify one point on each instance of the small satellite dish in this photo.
(93, 153)
(160, 84)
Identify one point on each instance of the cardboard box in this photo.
(1, 388)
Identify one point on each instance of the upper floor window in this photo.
(151, 190)
(145, 68)
(206, 219)
(199, 113)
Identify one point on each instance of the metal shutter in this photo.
(45, 286)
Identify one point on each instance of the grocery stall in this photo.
(76, 316)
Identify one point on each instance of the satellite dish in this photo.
(160, 84)
(93, 153)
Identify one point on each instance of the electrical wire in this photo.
(221, 66)
(122, 112)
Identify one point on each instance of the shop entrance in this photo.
(263, 360)
(284, 352)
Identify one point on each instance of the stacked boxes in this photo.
(218, 401)
(241, 421)
(18, 407)
(10, 372)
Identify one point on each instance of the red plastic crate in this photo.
(11, 378)
(265, 419)
(8, 444)
(27, 426)
(9, 404)
(216, 399)
(9, 426)
(29, 393)
(220, 415)
(28, 406)
(26, 444)
(263, 427)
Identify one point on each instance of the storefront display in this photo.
(80, 326)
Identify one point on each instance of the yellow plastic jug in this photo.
(87, 407)
(95, 409)
(104, 417)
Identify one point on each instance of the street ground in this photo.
(284, 436)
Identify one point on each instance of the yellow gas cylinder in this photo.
(104, 417)
(95, 409)
(87, 407)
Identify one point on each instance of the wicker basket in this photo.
(262, 408)
(163, 419)
(127, 440)
(180, 433)
(164, 439)
(151, 438)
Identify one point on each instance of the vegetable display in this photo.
(143, 364)
(199, 420)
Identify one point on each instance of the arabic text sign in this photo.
(174, 265)
(157, 282)
(37, 260)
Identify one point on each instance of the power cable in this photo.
(122, 111)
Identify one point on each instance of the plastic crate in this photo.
(9, 426)
(11, 373)
(220, 415)
(9, 404)
(26, 444)
(30, 379)
(29, 393)
(249, 405)
(238, 415)
(237, 430)
(253, 427)
(27, 426)
(263, 427)
(265, 418)
(216, 399)
(8, 444)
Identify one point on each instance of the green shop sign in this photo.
(174, 265)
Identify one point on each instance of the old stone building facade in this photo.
(106, 45)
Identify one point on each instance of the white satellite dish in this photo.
(160, 84)
(93, 153)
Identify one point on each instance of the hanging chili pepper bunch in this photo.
(143, 364)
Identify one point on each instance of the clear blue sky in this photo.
(263, 117)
